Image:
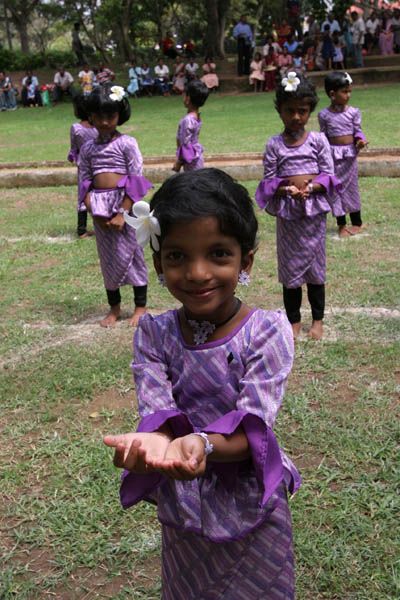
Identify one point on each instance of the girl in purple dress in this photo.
(110, 181)
(210, 378)
(189, 152)
(79, 134)
(342, 126)
(298, 189)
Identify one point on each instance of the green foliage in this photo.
(15, 60)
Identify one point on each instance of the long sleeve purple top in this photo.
(78, 136)
(121, 155)
(216, 387)
(281, 162)
(189, 149)
(334, 124)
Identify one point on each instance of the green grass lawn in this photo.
(231, 124)
(65, 382)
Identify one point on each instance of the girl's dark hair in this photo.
(305, 91)
(197, 92)
(335, 81)
(99, 101)
(80, 108)
(207, 193)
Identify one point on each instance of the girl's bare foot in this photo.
(137, 313)
(316, 331)
(112, 317)
(296, 327)
(354, 229)
(344, 231)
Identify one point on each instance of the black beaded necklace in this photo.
(203, 329)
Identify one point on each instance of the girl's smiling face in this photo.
(201, 266)
(295, 114)
(342, 96)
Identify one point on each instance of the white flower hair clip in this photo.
(145, 224)
(348, 78)
(117, 93)
(291, 82)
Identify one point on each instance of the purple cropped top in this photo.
(216, 387)
(334, 124)
(78, 136)
(281, 162)
(121, 155)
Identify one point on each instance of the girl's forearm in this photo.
(229, 448)
(126, 203)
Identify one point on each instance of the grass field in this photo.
(231, 124)
(65, 382)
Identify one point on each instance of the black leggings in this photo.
(355, 218)
(292, 301)
(82, 222)
(139, 295)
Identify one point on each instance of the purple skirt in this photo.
(346, 169)
(301, 250)
(260, 565)
(121, 258)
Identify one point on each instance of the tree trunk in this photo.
(215, 34)
(124, 26)
(20, 15)
(7, 26)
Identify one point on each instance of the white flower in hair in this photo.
(117, 93)
(145, 224)
(348, 78)
(291, 82)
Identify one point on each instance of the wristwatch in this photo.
(208, 446)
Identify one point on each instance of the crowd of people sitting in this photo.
(325, 46)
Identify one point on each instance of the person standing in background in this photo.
(77, 46)
(358, 31)
(244, 36)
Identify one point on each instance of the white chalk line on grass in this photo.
(42, 239)
(89, 331)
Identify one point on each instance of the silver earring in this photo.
(244, 278)
(161, 279)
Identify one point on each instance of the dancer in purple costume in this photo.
(210, 378)
(111, 180)
(298, 189)
(79, 134)
(189, 154)
(342, 126)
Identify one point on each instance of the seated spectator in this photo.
(291, 44)
(372, 27)
(191, 70)
(8, 100)
(133, 86)
(270, 42)
(146, 81)
(285, 61)
(309, 58)
(168, 46)
(63, 81)
(179, 78)
(386, 36)
(210, 78)
(104, 75)
(270, 65)
(256, 77)
(86, 77)
(30, 94)
(161, 82)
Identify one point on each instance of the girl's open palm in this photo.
(184, 459)
(133, 451)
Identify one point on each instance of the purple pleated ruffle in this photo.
(106, 205)
(187, 153)
(73, 156)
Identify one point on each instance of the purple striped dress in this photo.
(334, 124)
(190, 151)
(78, 135)
(121, 258)
(227, 534)
(301, 224)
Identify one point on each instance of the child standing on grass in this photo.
(189, 154)
(297, 189)
(210, 378)
(111, 180)
(341, 124)
(79, 134)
